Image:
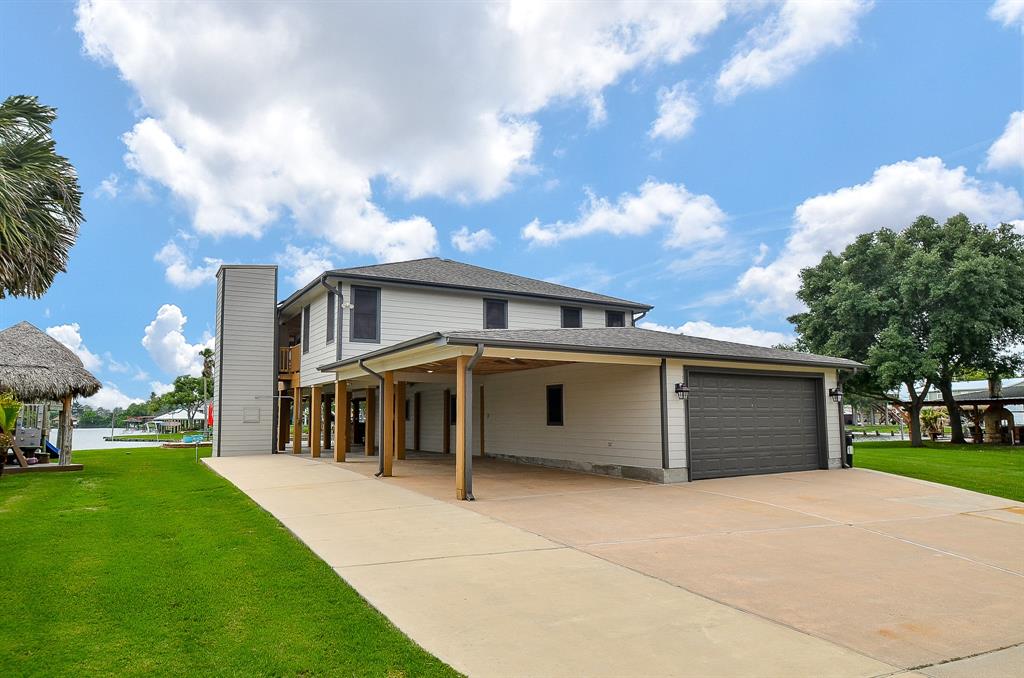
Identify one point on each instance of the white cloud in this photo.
(305, 264)
(160, 388)
(70, 336)
(677, 109)
(165, 341)
(110, 397)
(115, 365)
(256, 112)
(464, 241)
(894, 196)
(762, 253)
(689, 219)
(1008, 12)
(109, 187)
(741, 335)
(1008, 150)
(799, 32)
(179, 270)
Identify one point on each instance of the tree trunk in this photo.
(956, 424)
(914, 410)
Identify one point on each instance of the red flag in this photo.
(209, 414)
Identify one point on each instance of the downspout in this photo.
(380, 415)
(637, 318)
(339, 303)
(467, 405)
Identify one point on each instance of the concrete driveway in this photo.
(846, 573)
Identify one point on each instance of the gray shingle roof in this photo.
(1007, 393)
(448, 273)
(636, 340)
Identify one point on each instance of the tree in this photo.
(187, 395)
(207, 356)
(40, 201)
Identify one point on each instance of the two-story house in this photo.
(438, 356)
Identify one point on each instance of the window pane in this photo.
(615, 318)
(572, 317)
(330, 317)
(365, 313)
(555, 414)
(495, 315)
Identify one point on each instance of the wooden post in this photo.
(416, 421)
(460, 426)
(64, 438)
(481, 420)
(316, 416)
(446, 427)
(387, 446)
(282, 420)
(370, 433)
(342, 411)
(400, 420)
(297, 420)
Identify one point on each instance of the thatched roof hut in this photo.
(35, 366)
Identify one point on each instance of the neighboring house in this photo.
(440, 356)
(177, 419)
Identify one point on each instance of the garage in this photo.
(748, 424)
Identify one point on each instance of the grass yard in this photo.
(992, 469)
(149, 563)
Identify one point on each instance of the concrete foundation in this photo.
(650, 475)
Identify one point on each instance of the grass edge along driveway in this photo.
(147, 562)
(991, 469)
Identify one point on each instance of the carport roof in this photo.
(632, 341)
(1014, 393)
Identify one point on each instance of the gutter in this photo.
(467, 406)
(380, 417)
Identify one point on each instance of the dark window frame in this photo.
(330, 317)
(504, 308)
(578, 309)
(354, 290)
(608, 315)
(453, 409)
(550, 390)
(305, 328)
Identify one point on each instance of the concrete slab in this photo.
(1008, 663)
(889, 599)
(562, 613)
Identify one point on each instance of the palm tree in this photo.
(40, 201)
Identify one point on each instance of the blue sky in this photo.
(689, 156)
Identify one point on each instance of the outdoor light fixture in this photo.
(682, 391)
(836, 394)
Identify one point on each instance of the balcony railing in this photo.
(288, 359)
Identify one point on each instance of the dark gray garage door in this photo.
(750, 424)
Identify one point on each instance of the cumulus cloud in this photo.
(305, 264)
(1008, 12)
(677, 109)
(256, 112)
(108, 188)
(160, 388)
(110, 397)
(689, 219)
(465, 241)
(894, 196)
(179, 270)
(741, 335)
(165, 341)
(798, 33)
(1008, 150)
(70, 336)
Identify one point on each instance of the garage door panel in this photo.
(749, 424)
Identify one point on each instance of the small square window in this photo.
(614, 318)
(556, 413)
(572, 316)
(495, 314)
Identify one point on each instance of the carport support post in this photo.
(282, 420)
(342, 412)
(316, 415)
(370, 431)
(297, 420)
(460, 426)
(387, 447)
(400, 420)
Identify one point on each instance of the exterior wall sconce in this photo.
(682, 391)
(836, 394)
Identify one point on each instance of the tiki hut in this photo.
(37, 367)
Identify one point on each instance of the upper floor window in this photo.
(572, 316)
(330, 317)
(365, 324)
(305, 328)
(495, 314)
(614, 318)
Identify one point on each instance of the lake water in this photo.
(92, 439)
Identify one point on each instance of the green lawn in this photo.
(149, 563)
(992, 469)
(872, 428)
